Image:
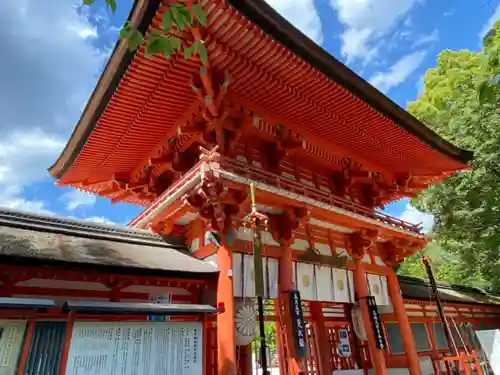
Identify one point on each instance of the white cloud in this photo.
(87, 32)
(100, 220)
(399, 72)
(412, 215)
(11, 198)
(427, 39)
(491, 21)
(366, 22)
(420, 85)
(49, 68)
(76, 198)
(25, 154)
(302, 14)
(405, 35)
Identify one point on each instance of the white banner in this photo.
(343, 287)
(11, 341)
(244, 276)
(305, 281)
(324, 284)
(139, 348)
(378, 289)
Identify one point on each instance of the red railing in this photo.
(260, 175)
(174, 188)
(223, 165)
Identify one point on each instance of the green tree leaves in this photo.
(489, 88)
(200, 14)
(459, 102)
(181, 16)
(486, 92)
(197, 48)
(173, 36)
(112, 5)
(132, 35)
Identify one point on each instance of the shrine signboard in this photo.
(11, 341)
(298, 325)
(139, 348)
(376, 324)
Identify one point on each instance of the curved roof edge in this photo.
(31, 239)
(87, 229)
(141, 16)
(284, 32)
(414, 288)
(272, 23)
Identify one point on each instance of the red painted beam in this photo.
(25, 273)
(85, 293)
(77, 293)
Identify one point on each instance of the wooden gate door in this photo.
(311, 365)
(339, 333)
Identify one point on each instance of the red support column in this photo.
(285, 284)
(245, 359)
(67, 344)
(30, 329)
(404, 324)
(286, 269)
(361, 286)
(226, 346)
(322, 342)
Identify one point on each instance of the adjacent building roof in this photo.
(35, 239)
(43, 240)
(138, 101)
(418, 289)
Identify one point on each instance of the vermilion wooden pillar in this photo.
(286, 269)
(404, 324)
(322, 343)
(285, 284)
(361, 286)
(245, 359)
(226, 346)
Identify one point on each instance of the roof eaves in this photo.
(23, 261)
(470, 292)
(259, 12)
(141, 15)
(272, 23)
(79, 228)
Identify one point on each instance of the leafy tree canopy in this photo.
(173, 34)
(466, 206)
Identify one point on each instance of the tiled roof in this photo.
(56, 239)
(413, 288)
(139, 101)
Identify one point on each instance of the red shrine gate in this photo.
(59, 262)
(335, 322)
(325, 150)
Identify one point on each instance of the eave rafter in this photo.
(282, 225)
(221, 118)
(372, 189)
(215, 203)
(395, 250)
(211, 193)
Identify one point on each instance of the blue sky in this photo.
(54, 51)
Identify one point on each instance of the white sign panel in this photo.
(11, 341)
(139, 348)
(490, 342)
(164, 299)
